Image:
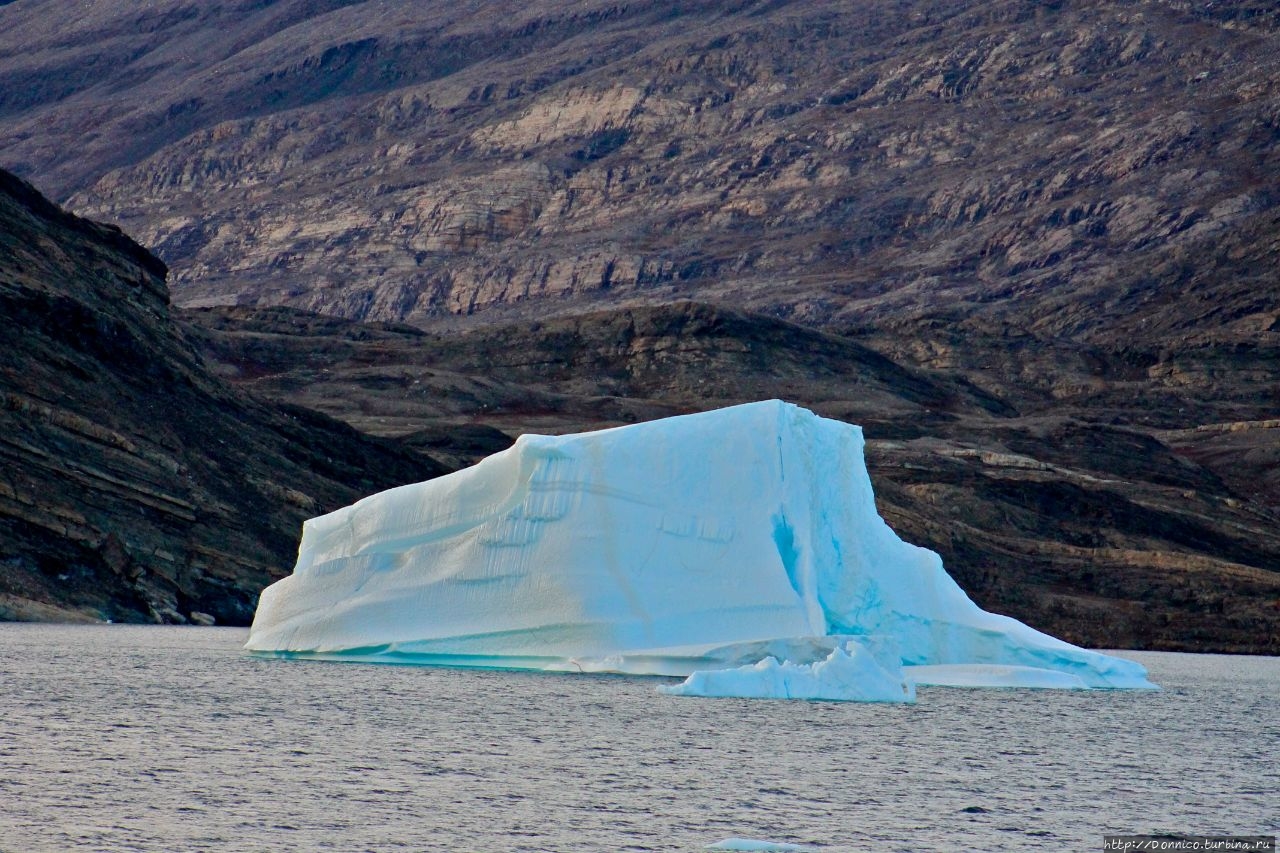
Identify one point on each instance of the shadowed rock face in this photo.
(1068, 168)
(1057, 497)
(133, 485)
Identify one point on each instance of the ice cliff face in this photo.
(702, 542)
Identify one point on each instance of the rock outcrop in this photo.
(133, 485)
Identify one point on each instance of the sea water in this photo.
(120, 738)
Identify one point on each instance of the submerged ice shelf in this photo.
(849, 674)
(696, 544)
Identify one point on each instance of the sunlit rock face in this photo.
(694, 543)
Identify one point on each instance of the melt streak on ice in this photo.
(700, 545)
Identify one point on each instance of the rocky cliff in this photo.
(133, 485)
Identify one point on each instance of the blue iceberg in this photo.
(694, 544)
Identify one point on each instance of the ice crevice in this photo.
(738, 548)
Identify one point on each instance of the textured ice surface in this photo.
(699, 542)
(849, 674)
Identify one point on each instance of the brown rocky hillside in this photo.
(1069, 167)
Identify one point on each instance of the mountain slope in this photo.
(133, 485)
(604, 368)
(1070, 168)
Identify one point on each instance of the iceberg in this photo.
(693, 544)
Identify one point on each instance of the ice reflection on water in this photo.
(121, 738)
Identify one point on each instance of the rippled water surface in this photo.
(158, 739)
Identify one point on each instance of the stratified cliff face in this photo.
(133, 485)
(1067, 168)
